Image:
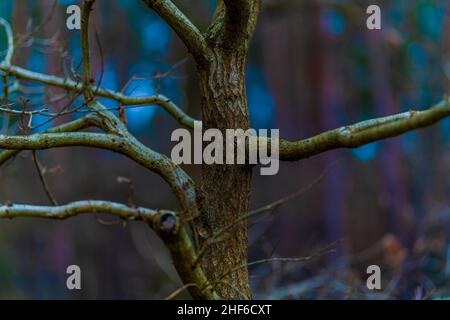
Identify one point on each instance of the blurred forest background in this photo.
(313, 66)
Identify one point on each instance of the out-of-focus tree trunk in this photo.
(334, 188)
(394, 195)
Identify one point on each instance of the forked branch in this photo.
(7, 67)
(234, 22)
(184, 28)
(170, 227)
(71, 85)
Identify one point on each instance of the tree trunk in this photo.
(225, 189)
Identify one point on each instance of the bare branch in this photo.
(180, 182)
(9, 34)
(184, 257)
(6, 90)
(125, 100)
(79, 207)
(76, 125)
(324, 251)
(85, 48)
(174, 235)
(185, 29)
(72, 85)
(170, 227)
(22, 39)
(362, 133)
(126, 144)
(178, 291)
(271, 206)
(221, 234)
(41, 173)
(113, 124)
(41, 141)
(234, 288)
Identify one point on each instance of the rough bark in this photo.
(224, 193)
(225, 189)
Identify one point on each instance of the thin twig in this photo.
(41, 172)
(324, 251)
(275, 204)
(234, 288)
(219, 235)
(24, 38)
(130, 184)
(42, 112)
(177, 292)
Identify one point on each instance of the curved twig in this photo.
(9, 34)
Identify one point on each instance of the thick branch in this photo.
(185, 29)
(123, 141)
(79, 207)
(362, 133)
(76, 125)
(177, 240)
(42, 141)
(180, 182)
(129, 146)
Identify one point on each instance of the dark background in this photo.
(313, 66)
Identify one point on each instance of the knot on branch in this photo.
(166, 223)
